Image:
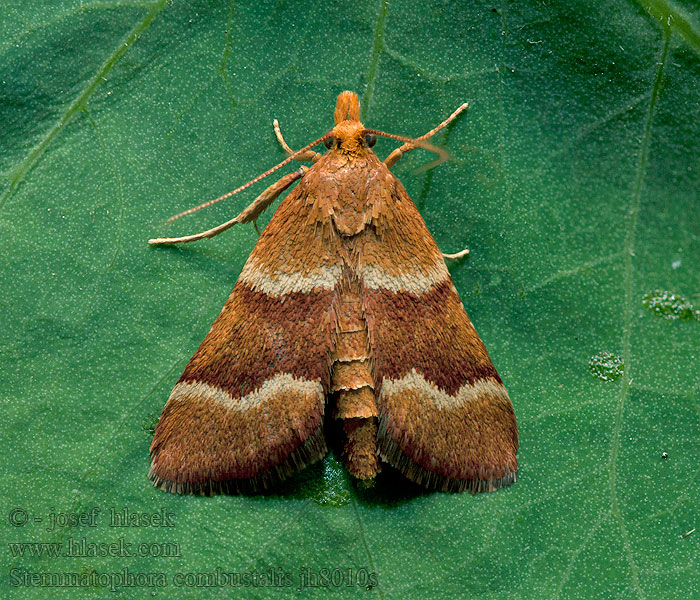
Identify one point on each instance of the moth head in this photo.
(349, 135)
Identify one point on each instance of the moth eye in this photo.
(371, 139)
(328, 142)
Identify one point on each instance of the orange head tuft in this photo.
(347, 106)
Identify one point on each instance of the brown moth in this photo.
(344, 305)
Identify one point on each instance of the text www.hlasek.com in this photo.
(81, 547)
(304, 578)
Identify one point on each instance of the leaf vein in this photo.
(377, 49)
(21, 170)
(633, 217)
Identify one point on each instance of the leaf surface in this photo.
(574, 181)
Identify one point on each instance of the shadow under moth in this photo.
(345, 307)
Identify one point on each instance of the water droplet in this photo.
(670, 306)
(606, 366)
(148, 424)
(675, 264)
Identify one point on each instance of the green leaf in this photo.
(574, 182)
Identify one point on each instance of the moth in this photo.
(344, 312)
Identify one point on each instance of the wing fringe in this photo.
(308, 453)
(390, 452)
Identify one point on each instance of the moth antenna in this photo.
(412, 144)
(253, 181)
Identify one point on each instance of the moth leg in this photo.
(308, 155)
(394, 157)
(251, 213)
(455, 256)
